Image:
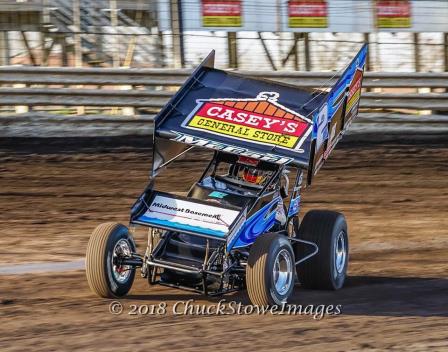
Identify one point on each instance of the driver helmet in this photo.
(253, 176)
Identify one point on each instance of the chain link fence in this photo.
(113, 33)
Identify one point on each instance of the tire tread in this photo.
(317, 226)
(95, 259)
(255, 276)
(258, 276)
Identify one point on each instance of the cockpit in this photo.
(234, 180)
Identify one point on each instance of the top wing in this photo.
(240, 115)
(257, 118)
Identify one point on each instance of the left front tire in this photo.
(106, 278)
(270, 270)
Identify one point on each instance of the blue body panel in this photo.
(333, 101)
(294, 206)
(258, 223)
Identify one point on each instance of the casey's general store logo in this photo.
(262, 120)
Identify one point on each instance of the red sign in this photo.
(249, 119)
(308, 13)
(393, 13)
(221, 13)
(262, 120)
(248, 161)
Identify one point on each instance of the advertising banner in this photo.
(393, 13)
(307, 14)
(261, 120)
(176, 213)
(338, 16)
(222, 13)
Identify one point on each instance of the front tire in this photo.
(270, 270)
(107, 242)
(328, 268)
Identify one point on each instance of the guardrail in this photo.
(151, 88)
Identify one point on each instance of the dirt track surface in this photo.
(395, 198)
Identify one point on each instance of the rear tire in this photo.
(106, 242)
(270, 270)
(328, 268)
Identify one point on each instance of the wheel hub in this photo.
(282, 272)
(121, 272)
(340, 253)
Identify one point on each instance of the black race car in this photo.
(238, 226)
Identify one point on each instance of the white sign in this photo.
(189, 216)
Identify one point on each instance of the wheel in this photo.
(328, 268)
(270, 270)
(108, 242)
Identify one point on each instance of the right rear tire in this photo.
(328, 268)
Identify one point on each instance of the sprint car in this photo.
(238, 226)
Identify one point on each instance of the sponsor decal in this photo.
(393, 13)
(222, 13)
(258, 223)
(216, 194)
(353, 97)
(261, 120)
(329, 124)
(321, 125)
(294, 206)
(354, 92)
(189, 216)
(201, 142)
(307, 14)
(248, 161)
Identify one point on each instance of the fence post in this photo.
(416, 52)
(418, 69)
(80, 110)
(177, 33)
(64, 56)
(4, 48)
(114, 24)
(445, 51)
(232, 49)
(296, 53)
(307, 52)
(367, 41)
